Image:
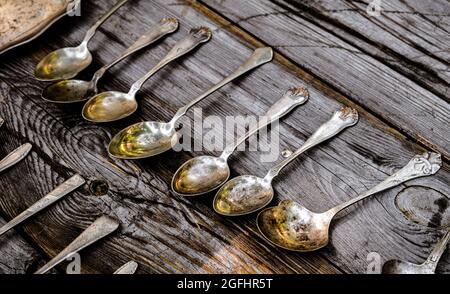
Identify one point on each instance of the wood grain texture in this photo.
(168, 234)
(344, 60)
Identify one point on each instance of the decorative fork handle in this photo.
(423, 165)
(15, 156)
(101, 228)
(294, 97)
(259, 57)
(65, 188)
(342, 119)
(91, 32)
(195, 37)
(162, 28)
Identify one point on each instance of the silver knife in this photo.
(61, 191)
(15, 156)
(127, 269)
(101, 228)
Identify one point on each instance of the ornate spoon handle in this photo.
(342, 119)
(259, 57)
(293, 98)
(15, 156)
(101, 228)
(156, 32)
(437, 252)
(91, 32)
(61, 191)
(195, 37)
(423, 165)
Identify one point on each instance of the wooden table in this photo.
(394, 69)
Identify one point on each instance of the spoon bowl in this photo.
(67, 91)
(243, 195)
(63, 64)
(142, 140)
(293, 227)
(201, 175)
(109, 106)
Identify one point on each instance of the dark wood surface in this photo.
(167, 234)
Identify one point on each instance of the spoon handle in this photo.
(437, 252)
(156, 32)
(127, 269)
(91, 32)
(61, 191)
(259, 57)
(101, 228)
(423, 165)
(292, 98)
(15, 156)
(2, 121)
(342, 119)
(195, 37)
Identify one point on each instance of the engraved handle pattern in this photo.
(65, 188)
(101, 228)
(15, 157)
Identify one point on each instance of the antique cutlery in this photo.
(148, 139)
(66, 63)
(428, 267)
(204, 174)
(65, 188)
(101, 228)
(15, 157)
(293, 227)
(113, 105)
(127, 269)
(247, 194)
(70, 91)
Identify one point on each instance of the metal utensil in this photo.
(127, 269)
(70, 91)
(293, 227)
(148, 139)
(101, 228)
(247, 194)
(15, 157)
(2, 121)
(65, 188)
(428, 267)
(111, 106)
(66, 63)
(204, 174)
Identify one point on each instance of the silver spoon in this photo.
(204, 174)
(148, 139)
(293, 227)
(127, 269)
(111, 106)
(101, 228)
(65, 188)
(247, 194)
(428, 267)
(15, 157)
(70, 91)
(66, 63)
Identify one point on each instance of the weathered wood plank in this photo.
(339, 59)
(170, 234)
(17, 255)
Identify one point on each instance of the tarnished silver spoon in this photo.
(70, 91)
(293, 227)
(66, 63)
(247, 194)
(15, 157)
(148, 139)
(98, 230)
(400, 267)
(204, 174)
(111, 106)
